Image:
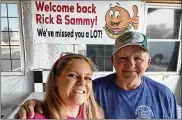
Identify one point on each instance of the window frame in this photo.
(22, 50)
(164, 6)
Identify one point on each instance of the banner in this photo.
(83, 22)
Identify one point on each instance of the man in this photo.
(127, 94)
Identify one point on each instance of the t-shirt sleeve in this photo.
(174, 112)
(38, 116)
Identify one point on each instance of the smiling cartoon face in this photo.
(117, 17)
(117, 20)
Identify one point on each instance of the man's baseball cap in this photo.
(131, 38)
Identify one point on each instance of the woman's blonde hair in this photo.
(53, 105)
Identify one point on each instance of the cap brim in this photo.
(135, 44)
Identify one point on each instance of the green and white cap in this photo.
(131, 38)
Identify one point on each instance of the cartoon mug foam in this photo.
(118, 21)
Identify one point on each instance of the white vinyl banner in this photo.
(83, 22)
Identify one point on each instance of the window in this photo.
(12, 56)
(164, 36)
(99, 54)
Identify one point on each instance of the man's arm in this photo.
(28, 109)
(173, 104)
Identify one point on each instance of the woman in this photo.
(69, 92)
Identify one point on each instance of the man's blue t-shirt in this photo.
(151, 100)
